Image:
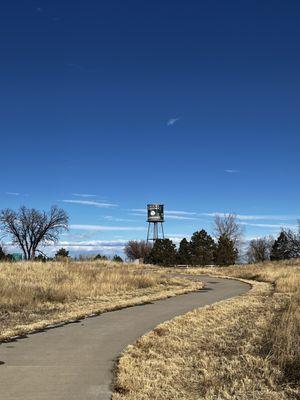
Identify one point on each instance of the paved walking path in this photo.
(75, 361)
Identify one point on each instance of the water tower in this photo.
(155, 220)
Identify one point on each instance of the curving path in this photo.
(75, 361)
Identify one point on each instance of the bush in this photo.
(135, 250)
(117, 258)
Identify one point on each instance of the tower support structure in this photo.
(154, 234)
(155, 222)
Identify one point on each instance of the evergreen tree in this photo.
(62, 253)
(281, 249)
(2, 254)
(202, 247)
(117, 258)
(184, 252)
(225, 253)
(163, 252)
(100, 257)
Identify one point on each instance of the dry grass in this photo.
(34, 295)
(245, 348)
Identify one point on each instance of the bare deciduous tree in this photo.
(259, 250)
(30, 228)
(226, 225)
(135, 250)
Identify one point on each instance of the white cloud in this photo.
(180, 212)
(253, 217)
(90, 203)
(273, 226)
(172, 121)
(139, 210)
(13, 193)
(115, 219)
(84, 195)
(179, 217)
(108, 247)
(85, 227)
(232, 171)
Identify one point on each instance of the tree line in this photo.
(31, 229)
(200, 250)
(285, 247)
(203, 249)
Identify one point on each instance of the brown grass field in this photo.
(244, 348)
(34, 295)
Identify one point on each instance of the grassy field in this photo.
(34, 295)
(245, 348)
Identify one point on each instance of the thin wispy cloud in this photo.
(273, 226)
(84, 195)
(13, 193)
(139, 210)
(108, 247)
(75, 66)
(172, 121)
(116, 219)
(180, 212)
(85, 227)
(232, 171)
(90, 203)
(253, 217)
(179, 217)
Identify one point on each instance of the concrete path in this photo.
(75, 361)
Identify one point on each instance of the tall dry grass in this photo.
(282, 340)
(33, 295)
(245, 348)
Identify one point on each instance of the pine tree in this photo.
(2, 254)
(225, 253)
(117, 258)
(202, 248)
(184, 252)
(281, 248)
(163, 252)
(62, 253)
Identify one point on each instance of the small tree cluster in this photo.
(286, 246)
(200, 250)
(117, 258)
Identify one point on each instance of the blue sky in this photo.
(107, 106)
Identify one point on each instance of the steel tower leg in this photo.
(155, 231)
(162, 229)
(148, 232)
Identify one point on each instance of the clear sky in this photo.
(106, 106)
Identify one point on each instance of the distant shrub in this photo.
(117, 258)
